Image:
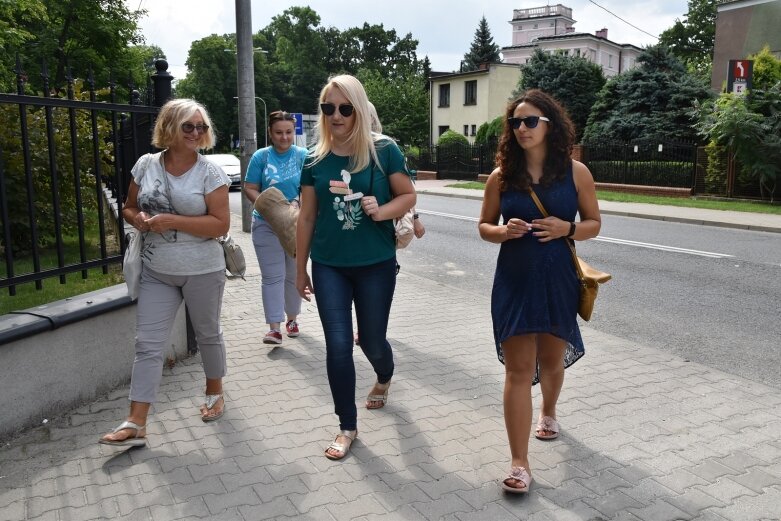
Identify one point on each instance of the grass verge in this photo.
(710, 204)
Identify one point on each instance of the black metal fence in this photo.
(58, 157)
(643, 162)
(456, 160)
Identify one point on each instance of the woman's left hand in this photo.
(160, 223)
(549, 228)
(370, 206)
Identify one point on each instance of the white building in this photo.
(551, 29)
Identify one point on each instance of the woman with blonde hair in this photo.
(178, 200)
(353, 185)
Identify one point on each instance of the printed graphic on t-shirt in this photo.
(287, 170)
(157, 202)
(346, 210)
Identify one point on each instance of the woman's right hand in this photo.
(139, 221)
(304, 286)
(516, 228)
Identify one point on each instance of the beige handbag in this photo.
(280, 215)
(590, 278)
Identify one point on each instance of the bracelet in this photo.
(571, 230)
(415, 216)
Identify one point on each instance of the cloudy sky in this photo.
(444, 28)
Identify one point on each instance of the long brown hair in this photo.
(510, 157)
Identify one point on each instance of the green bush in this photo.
(490, 129)
(451, 137)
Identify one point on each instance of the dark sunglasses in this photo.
(329, 109)
(529, 121)
(189, 127)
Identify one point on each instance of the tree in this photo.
(298, 56)
(692, 39)
(483, 48)
(766, 70)
(401, 102)
(750, 128)
(653, 100)
(16, 19)
(572, 80)
(82, 34)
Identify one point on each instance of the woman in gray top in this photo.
(179, 202)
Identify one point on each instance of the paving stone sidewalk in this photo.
(646, 435)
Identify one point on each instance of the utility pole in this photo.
(245, 81)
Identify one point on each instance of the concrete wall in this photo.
(59, 356)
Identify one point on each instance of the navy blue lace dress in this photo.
(535, 285)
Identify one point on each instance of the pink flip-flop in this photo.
(549, 424)
(519, 475)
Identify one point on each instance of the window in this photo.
(443, 129)
(470, 92)
(444, 95)
(466, 130)
(610, 61)
(474, 130)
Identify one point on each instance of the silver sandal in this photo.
(130, 441)
(382, 398)
(344, 448)
(211, 401)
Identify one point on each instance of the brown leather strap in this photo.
(537, 201)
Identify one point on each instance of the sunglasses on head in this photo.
(529, 121)
(189, 127)
(329, 109)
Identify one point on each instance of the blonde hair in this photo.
(170, 119)
(375, 119)
(360, 141)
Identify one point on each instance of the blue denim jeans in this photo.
(371, 288)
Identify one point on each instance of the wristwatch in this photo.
(571, 230)
(415, 216)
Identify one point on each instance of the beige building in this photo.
(462, 101)
(551, 28)
(743, 27)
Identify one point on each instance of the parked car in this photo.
(231, 165)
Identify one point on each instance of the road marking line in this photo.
(625, 242)
(664, 248)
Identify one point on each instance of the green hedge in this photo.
(677, 174)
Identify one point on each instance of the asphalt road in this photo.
(706, 294)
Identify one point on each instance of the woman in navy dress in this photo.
(535, 293)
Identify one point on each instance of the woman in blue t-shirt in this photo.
(279, 166)
(353, 185)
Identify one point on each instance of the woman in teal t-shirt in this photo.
(279, 166)
(353, 185)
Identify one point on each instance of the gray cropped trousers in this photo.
(159, 299)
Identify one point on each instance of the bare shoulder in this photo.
(493, 178)
(581, 174)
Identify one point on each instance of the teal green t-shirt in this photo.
(344, 235)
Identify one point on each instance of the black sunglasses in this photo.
(529, 121)
(329, 109)
(189, 127)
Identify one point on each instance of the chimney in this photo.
(602, 33)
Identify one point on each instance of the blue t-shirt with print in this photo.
(283, 171)
(344, 235)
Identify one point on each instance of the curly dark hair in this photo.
(510, 157)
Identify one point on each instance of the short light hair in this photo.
(375, 119)
(360, 140)
(170, 119)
